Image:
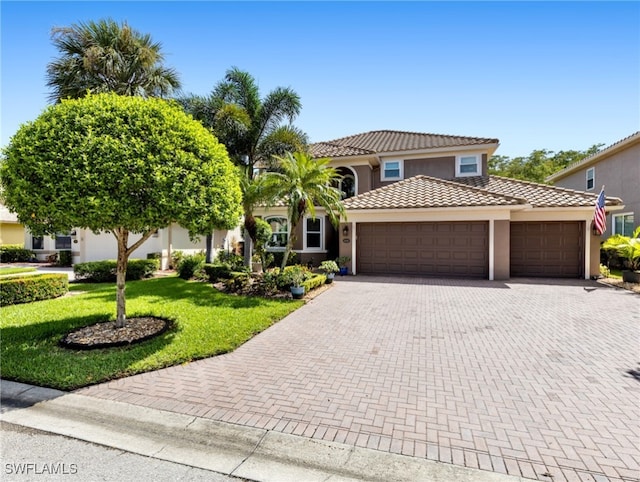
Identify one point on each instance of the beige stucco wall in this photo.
(501, 261)
(11, 233)
(620, 174)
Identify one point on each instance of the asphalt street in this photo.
(33, 455)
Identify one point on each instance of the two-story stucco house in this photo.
(617, 168)
(423, 204)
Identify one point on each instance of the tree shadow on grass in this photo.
(32, 354)
(161, 290)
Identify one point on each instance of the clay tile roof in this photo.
(428, 192)
(391, 141)
(537, 195)
(329, 149)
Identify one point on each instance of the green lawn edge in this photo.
(205, 323)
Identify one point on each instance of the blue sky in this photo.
(535, 75)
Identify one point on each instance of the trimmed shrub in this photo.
(65, 258)
(234, 261)
(15, 253)
(217, 272)
(190, 265)
(277, 259)
(315, 282)
(154, 255)
(238, 282)
(105, 271)
(32, 288)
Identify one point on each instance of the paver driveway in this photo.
(531, 378)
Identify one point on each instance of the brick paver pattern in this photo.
(529, 378)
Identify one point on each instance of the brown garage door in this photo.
(548, 249)
(429, 249)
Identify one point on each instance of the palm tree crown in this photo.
(248, 125)
(104, 56)
(304, 184)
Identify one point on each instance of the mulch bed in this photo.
(106, 335)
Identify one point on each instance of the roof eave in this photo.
(598, 156)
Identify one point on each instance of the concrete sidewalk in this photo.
(239, 451)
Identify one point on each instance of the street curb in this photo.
(235, 450)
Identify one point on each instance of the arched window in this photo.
(348, 186)
(280, 233)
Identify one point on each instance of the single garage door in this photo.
(452, 249)
(547, 249)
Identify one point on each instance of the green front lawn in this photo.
(206, 323)
(7, 271)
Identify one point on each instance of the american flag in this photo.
(600, 217)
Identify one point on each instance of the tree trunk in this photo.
(248, 249)
(209, 248)
(290, 243)
(121, 276)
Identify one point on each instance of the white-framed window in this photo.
(623, 224)
(314, 234)
(591, 178)
(468, 165)
(391, 170)
(37, 242)
(280, 233)
(63, 241)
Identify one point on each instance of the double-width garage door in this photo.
(448, 249)
(552, 249)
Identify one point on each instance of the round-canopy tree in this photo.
(121, 165)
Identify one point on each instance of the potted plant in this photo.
(296, 275)
(330, 268)
(627, 248)
(342, 262)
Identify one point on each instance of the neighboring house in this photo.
(617, 168)
(423, 204)
(11, 231)
(88, 246)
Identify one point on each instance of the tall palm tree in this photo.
(304, 184)
(105, 56)
(254, 129)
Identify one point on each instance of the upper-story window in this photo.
(468, 165)
(280, 233)
(348, 186)
(391, 170)
(591, 178)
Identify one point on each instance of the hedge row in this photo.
(105, 271)
(315, 282)
(15, 253)
(30, 288)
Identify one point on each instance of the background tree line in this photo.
(538, 165)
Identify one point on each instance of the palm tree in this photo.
(104, 56)
(304, 183)
(253, 129)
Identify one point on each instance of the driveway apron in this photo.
(535, 378)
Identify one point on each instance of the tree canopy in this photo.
(538, 165)
(122, 165)
(253, 129)
(105, 56)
